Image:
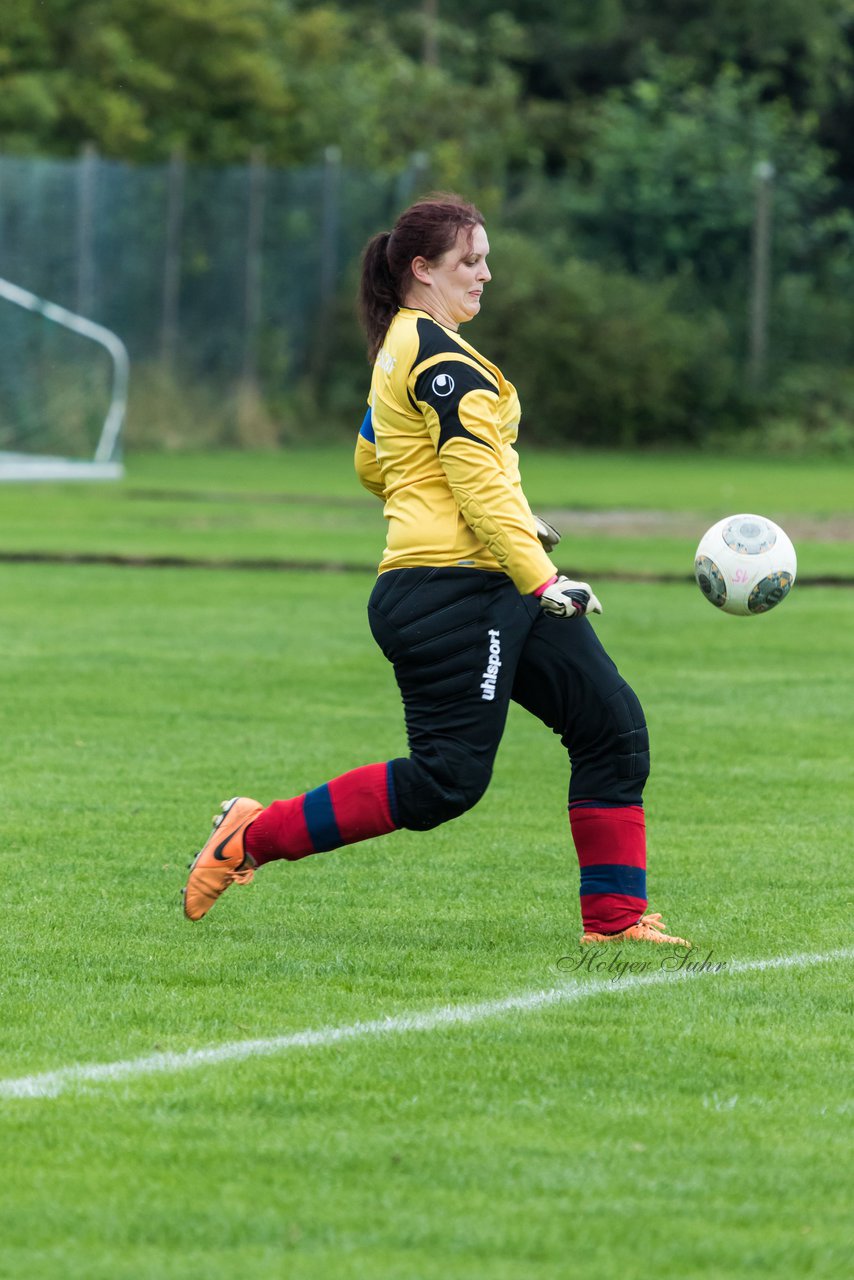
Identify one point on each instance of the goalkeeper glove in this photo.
(548, 536)
(564, 598)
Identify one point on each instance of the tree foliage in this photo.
(220, 77)
(602, 355)
(668, 184)
(618, 138)
(508, 92)
(139, 76)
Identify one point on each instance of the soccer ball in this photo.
(745, 564)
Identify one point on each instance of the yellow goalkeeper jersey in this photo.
(437, 446)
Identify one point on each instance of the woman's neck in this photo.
(415, 300)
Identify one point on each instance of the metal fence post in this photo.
(430, 15)
(254, 265)
(413, 180)
(330, 213)
(760, 286)
(86, 177)
(176, 174)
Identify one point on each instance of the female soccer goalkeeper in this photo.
(467, 607)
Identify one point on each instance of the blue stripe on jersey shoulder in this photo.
(367, 428)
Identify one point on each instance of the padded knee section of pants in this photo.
(434, 786)
(632, 738)
(611, 761)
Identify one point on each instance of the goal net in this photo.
(63, 392)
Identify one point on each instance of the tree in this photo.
(219, 77)
(668, 184)
(137, 76)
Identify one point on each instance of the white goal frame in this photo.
(106, 463)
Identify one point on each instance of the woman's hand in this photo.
(564, 598)
(548, 536)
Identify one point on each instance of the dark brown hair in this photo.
(427, 229)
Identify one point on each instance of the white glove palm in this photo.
(568, 599)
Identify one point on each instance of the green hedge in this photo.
(601, 357)
(598, 357)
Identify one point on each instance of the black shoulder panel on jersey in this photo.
(434, 341)
(443, 386)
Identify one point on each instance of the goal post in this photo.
(105, 464)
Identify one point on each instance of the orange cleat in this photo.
(647, 929)
(223, 861)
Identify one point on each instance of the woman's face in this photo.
(452, 285)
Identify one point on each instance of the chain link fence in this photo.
(216, 278)
(233, 291)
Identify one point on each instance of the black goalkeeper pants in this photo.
(463, 642)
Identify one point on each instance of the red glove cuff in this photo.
(539, 591)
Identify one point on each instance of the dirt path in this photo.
(616, 522)
(685, 524)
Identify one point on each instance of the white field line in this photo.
(49, 1084)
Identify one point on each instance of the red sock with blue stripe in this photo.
(610, 841)
(356, 806)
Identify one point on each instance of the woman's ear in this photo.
(420, 268)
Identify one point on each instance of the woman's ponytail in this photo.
(378, 297)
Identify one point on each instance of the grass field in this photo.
(629, 1124)
(305, 505)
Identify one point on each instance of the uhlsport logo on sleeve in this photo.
(443, 384)
(490, 675)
